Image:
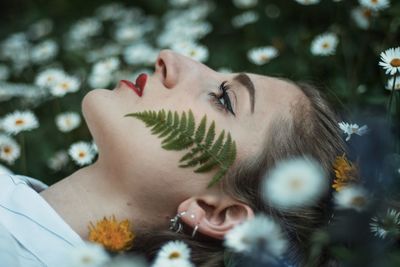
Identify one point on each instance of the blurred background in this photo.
(53, 52)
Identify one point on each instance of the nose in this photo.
(174, 68)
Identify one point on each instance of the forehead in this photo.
(274, 98)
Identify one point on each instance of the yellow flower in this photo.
(114, 236)
(345, 173)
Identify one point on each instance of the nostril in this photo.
(161, 64)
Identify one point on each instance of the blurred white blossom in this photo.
(375, 4)
(126, 34)
(308, 2)
(362, 17)
(85, 28)
(245, 3)
(110, 11)
(82, 153)
(260, 236)
(106, 66)
(4, 72)
(245, 18)
(351, 197)
(49, 77)
(324, 44)
(58, 161)
(40, 29)
(87, 255)
(44, 51)
(139, 54)
(352, 128)
(194, 51)
(262, 55)
(9, 149)
(181, 3)
(294, 183)
(390, 60)
(66, 84)
(19, 121)
(67, 121)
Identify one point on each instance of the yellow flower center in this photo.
(325, 45)
(174, 255)
(7, 149)
(374, 2)
(395, 62)
(295, 184)
(65, 86)
(19, 121)
(81, 154)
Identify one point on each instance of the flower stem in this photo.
(392, 93)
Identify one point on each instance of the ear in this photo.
(214, 214)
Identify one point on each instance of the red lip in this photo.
(139, 84)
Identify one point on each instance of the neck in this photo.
(88, 195)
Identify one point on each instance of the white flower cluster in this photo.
(57, 82)
(9, 149)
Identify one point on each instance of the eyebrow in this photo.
(244, 79)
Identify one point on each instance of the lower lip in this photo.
(139, 86)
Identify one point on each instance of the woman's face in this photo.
(134, 156)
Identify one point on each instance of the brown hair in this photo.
(311, 131)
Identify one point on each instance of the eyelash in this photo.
(227, 106)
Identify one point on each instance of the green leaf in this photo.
(180, 132)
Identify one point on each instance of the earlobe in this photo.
(214, 216)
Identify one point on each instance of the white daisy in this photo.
(87, 255)
(390, 60)
(262, 55)
(294, 183)
(67, 84)
(381, 226)
(85, 28)
(67, 121)
(390, 82)
(18, 121)
(174, 263)
(44, 51)
(9, 149)
(49, 77)
(352, 128)
(4, 170)
(174, 250)
(81, 153)
(351, 197)
(244, 19)
(58, 161)
(194, 51)
(324, 44)
(362, 17)
(245, 3)
(375, 4)
(257, 236)
(308, 2)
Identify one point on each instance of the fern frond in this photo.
(180, 133)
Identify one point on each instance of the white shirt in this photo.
(32, 233)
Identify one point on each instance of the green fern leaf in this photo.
(180, 133)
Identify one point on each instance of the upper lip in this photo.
(139, 84)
